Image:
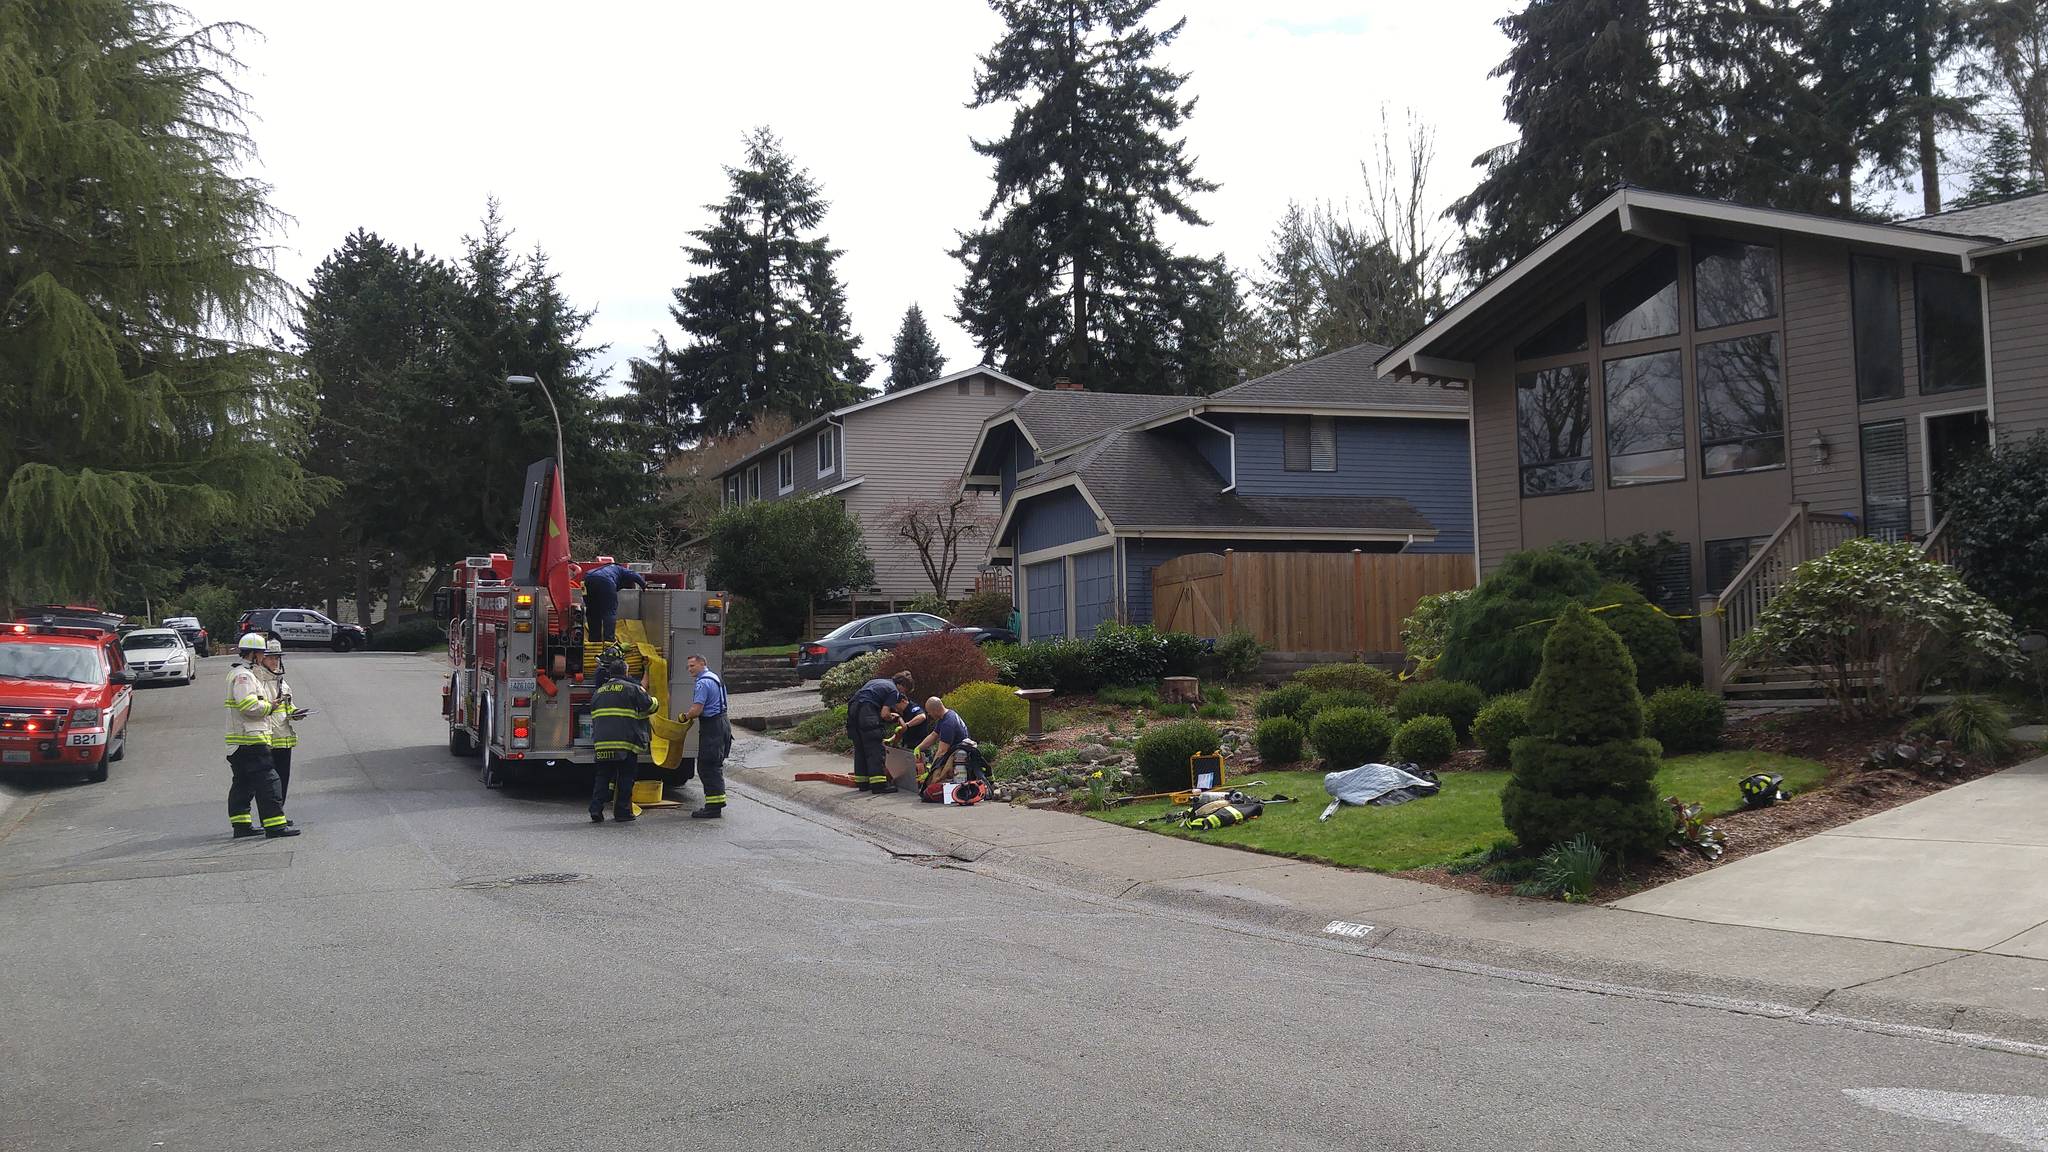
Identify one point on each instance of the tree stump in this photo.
(1180, 689)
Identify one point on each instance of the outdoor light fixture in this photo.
(1821, 448)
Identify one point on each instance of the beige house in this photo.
(871, 456)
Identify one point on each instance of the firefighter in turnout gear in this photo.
(284, 736)
(250, 703)
(619, 711)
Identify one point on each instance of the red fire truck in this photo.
(519, 683)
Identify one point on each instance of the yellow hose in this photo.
(665, 747)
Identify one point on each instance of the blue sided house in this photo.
(1098, 489)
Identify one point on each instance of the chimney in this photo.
(1062, 384)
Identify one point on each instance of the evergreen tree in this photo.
(2003, 169)
(1068, 275)
(1290, 294)
(140, 407)
(766, 315)
(915, 359)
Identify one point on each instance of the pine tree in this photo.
(915, 358)
(766, 315)
(1066, 276)
(141, 408)
(2002, 170)
(1290, 294)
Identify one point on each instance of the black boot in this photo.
(244, 831)
(597, 815)
(885, 787)
(281, 831)
(709, 812)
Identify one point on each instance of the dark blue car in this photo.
(868, 634)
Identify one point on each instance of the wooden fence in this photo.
(1302, 601)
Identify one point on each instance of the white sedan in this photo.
(158, 654)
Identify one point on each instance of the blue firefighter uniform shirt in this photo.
(609, 578)
(710, 693)
(952, 730)
(877, 693)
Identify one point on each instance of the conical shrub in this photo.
(1584, 767)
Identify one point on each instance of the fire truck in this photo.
(521, 667)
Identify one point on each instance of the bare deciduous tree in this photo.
(939, 527)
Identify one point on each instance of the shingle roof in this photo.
(2020, 218)
(1143, 480)
(1345, 377)
(1057, 419)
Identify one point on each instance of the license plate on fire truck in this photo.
(14, 756)
(521, 685)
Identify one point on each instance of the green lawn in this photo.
(765, 650)
(1463, 817)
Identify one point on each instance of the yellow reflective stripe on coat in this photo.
(619, 746)
(284, 741)
(244, 702)
(621, 713)
(248, 738)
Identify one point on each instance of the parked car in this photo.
(303, 626)
(814, 658)
(159, 654)
(64, 694)
(192, 630)
(72, 615)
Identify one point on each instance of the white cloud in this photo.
(603, 126)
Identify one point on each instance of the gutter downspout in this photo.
(1227, 435)
(1990, 393)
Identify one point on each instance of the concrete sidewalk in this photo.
(1966, 868)
(1916, 984)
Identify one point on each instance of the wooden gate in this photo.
(1302, 601)
(1187, 594)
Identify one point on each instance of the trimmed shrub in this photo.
(1236, 656)
(1504, 720)
(1003, 657)
(1652, 639)
(1320, 702)
(1485, 638)
(939, 662)
(1285, 700)
(1637, 561)
(1279, 740)
(839, 684)
(931, 603)
(1684, 719)
(827, 730)
(989, 609)
(1584, 769)
(1378, 683)
(409, 635)
(1184, 653)
(1062, 665)
(1426, 740)
(1127, 654)
(1454, 700)
(994, 713)
(1348, 737)
(1999, 525)
(1162, 752)
(744, 627)
(1424, 632)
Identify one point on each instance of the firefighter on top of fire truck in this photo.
(249, 703)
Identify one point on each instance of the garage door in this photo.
(1094, 590)
(1045, 599)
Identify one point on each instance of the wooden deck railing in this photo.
(1939, 545)
(1726, 617)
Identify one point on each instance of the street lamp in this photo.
(560, 460)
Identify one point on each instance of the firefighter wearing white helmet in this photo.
(284, 736)
(250, 702)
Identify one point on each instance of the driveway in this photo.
(1965, 869)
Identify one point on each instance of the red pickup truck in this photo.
(64, 693)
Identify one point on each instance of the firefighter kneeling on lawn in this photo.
(619, 711)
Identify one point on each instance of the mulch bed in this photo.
(1848, 794)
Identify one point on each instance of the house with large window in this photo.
(1098, 489)
(1761, 383)
(872, 456)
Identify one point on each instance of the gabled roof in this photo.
(1628, 220)
(1340, 379)
(2019, 218)
(1160, 485)
(1056, 419)
(812, 425)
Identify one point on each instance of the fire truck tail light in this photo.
(714, 605)
(522, 701)
(524, 599)
(523, 626)
(520, 730)
(711, 629)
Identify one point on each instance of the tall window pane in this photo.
(1643, 303)
(1310, 444)
(1951, 330)
(1742, 413)
(1874, 300)
(1565, 334)
(1887, 485)
(1733, 282)
(1553, 429)
(1645, 419)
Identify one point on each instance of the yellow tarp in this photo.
(666, 746)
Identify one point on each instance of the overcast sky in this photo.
(602, 126)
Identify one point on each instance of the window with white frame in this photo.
(754, 482)
(828, 453)
(785, 472)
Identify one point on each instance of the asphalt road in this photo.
(772, 982)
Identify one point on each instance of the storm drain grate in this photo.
(523, 881)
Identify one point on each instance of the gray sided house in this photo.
(1098, 489)
(907, 445)
(1752, 380)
